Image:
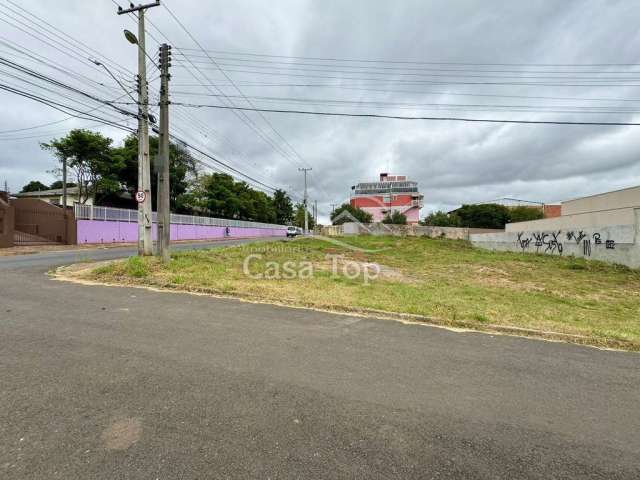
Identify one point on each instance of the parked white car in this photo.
(292, 231)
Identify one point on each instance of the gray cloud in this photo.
(454, 162)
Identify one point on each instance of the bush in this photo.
(525, 214)
(137, 267)
(348, 213)
(441, 219)
(396, 218)
(488, 215)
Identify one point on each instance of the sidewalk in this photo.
(33, 249)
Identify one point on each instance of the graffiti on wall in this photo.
(553, 242)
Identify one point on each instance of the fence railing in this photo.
(92, 212)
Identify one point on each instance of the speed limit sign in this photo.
(140, 196)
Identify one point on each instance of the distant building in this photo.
(552, 210)
(548, 210)
(55, 196)
(614, 208)
(391, 193)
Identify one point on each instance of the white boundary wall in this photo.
(578, 235)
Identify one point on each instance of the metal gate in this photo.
(38, 222)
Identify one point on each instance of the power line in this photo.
(221, 162)
(458, 74)
(398, 117)
(241, 115)
(411, 62)
(378, 104)
(63, 108)
(58, 83)
(414, 92)
(433, 82)
(63, 36)
(231, 81)
(51, 43)
(404, 68)
(48, 133)
(52, 123)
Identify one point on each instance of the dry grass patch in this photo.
(446, 281)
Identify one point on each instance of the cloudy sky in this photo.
(536, 60)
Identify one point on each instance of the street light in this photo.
(100, 64)
(130, 37)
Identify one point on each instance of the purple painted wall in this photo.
(98, 231)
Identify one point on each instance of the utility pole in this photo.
(315, 212)
(164, 200)
(333, 207)
(143, 195)
(64, 200)
(306, 214)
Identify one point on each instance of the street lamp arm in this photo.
(100, 64)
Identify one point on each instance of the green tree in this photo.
(298, 219)
(442, 219)
(488, 215)
(34, 186)
(89, 158)
(396, 218)
(525, 214)
(58, 184)
(338, 216)
(219, 195)
(283, 207)
(182, 170)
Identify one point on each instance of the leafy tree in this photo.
(525, 214)
(338, 217)
(283, 207)
(442, 219)
(182, 170)
(89, 159)
(298, 219)
(58, 184)
(488, 215)
(34, 186)
(219, 195)
(396, 218)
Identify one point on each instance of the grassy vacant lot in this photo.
(448, 281)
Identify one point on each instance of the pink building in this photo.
(391, 193)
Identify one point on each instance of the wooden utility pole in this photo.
(143, 195)
(164, 198)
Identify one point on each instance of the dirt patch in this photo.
(496, 277)
(386, 273)
(122, 433)
(78, 270)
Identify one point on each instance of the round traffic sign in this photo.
(140, 196)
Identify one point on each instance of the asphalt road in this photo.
(115, 383)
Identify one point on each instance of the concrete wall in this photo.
(6, 223)
(454, 233)
(623, 216)
(610, 243)
(98, 231)
(620, 199)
